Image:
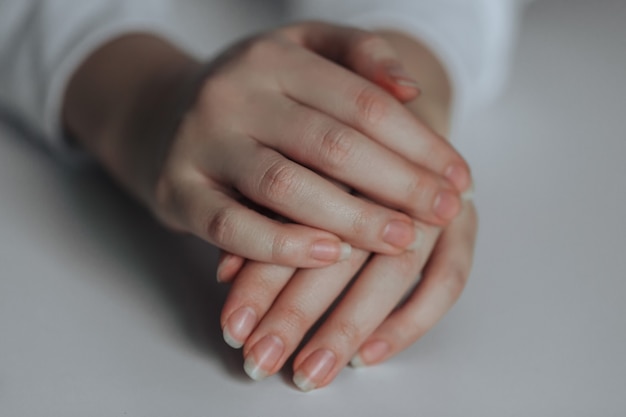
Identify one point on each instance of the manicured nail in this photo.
(314, 370)
(239, 326)
(399, 234)
(419, 239)
(263, 357)
(459, 176)
(401, 77)
(328, 250)
(447, 205)
(371, 353)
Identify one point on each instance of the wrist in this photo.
(123, 103)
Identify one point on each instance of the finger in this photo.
(289, 315)
(269, 179)
(220, 220)
(344, 154)
(250, 297)
(370, 110)
(363, 52)
(228, 266)
(370, 299)
(443, 281)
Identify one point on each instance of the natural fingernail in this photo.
(401, 77)
(447, 205)
(346, 251)
(469, 194)
(263, 357)
(370, 353)
(314, 370)
(328, 250)
(399, 234)
(419, 240)
(221, 267)
(459, 176)
(239, 326)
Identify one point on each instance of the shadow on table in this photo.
(179, 270)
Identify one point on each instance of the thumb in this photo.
(365, 53)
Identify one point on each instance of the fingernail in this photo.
(263, 357)
(419, 240)
(314, 370)
(447, 205)
(346, 251)
(469, 194)
(459, 176)
(328, 250)
(370, 353)
(239, 326)
(399, 234)
(222, 266)
(401, 77)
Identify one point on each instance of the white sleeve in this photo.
(472, 37)
(43, 41)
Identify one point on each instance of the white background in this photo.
(102, 313)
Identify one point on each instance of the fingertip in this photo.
(459, 175)
(371, 353)
(228, 266)
(357, 362)
(447, 205)
(401, 77)
(346, 251)
(395, 80)
(468, 195)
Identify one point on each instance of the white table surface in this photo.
(102, 313)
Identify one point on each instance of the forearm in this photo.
(122, 104)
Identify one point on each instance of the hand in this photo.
(270, 308)
(271, 324)
(270, 112)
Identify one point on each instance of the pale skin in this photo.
(367, 327)
(277, 123)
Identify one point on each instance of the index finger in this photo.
(369, 109)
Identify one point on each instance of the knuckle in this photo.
(417, 190)
(262, 49)
(349, 331)
(221, 226)
(407, 264)
(278, 181)
(371, 105)
(337, 144)
(295, 318)
(282, 246)
(220, 93)
(361, 223)
(216, 88)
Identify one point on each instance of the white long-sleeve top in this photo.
(42, 42)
